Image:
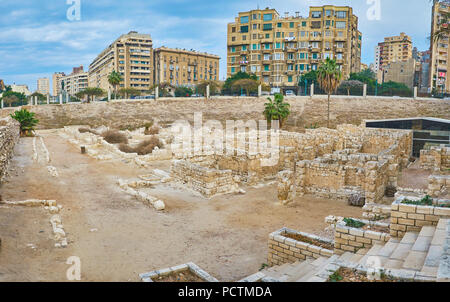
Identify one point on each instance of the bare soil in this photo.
(305, 239)
(185, 276)
(414, 177)
(117, 237)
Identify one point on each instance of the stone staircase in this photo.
(415, 255)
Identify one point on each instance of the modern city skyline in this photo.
(44, 28)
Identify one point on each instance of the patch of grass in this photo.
(426, 201)
(335, 277)
(115, 137)
(263, 266)
(353, 223)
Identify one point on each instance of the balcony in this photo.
(267, 50)
(291, 49)
(241, 63)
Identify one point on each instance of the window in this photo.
(291, 24)
(279, 24)
(316, 24)
(254, 16)
(278, 34)
(328, 13)
(244, 29)
(267, 36)
(233, 29)
(314, 56)
(340, 33)
(290, 78)
(233, 49)
(304, 23)
(244, 47)
(267, 26)
(339, 56)
(244, 37)
(341, 24)
(316, 14)
(277, 45)
(244, 19)
(233, 59)
(302, 66)
(254, 36)
(327, 23)
(303, 34)
(255, 26)
(233, 69)
(255, 46)
(267, 17)
(266, 67)
(266, 57)
(267, 46)
(278, 56)
(341, 14)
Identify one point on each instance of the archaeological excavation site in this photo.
(194, 190)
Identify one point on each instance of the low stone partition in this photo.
(190, 267)
(437, 158)
(373, 211)
(283, 249)
(352, 239)
(438, 185)
(9, 135)
(208, 182)
(411, 218)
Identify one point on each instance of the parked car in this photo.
(290, 93)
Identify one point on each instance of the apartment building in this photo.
(181, 67)
(21, 89)
(2, 85)
(376, 64)
(401, 72)
(423, 70)
(439, 80)
(131, 55)
(278, 49)
(75, 82)
(56, 82)
(393, 49)
(43, 86)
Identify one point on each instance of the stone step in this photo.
(416, 257)
(356, 258)
(372, 252)
(311, 274)
(301, 271)
(387, 250)
(347, 256)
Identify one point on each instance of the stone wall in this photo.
(305, 111)
(411, 218)
(437, 158)
(207, 181)
(439, 185)
(9, 135)
(286, 250)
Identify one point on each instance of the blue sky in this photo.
(37, 39)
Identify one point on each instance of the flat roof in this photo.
(434, 119)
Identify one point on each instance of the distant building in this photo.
(393, 49)
(181, 67)
(422, 70)
(56, 82)
(439, 50)
(364, 66)
(21, 89)
(2, 85)
(43, 86)
(400, 72)
(74, 82)
(130, 55)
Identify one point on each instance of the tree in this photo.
(10, 100)
(114, 78)
(26, 120)
(329, 76)
(12, 97)
(214, 87)
(249, 85)
(183, 91)
(90, 92)
(311, 77)
(277, 110)
(125, 92)
(349, 84)
(235, 77)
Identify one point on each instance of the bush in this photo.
(26, 120)
(144, 148)
(87, 130)
(114, 137)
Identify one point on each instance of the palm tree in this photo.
(329, 77)
(26, 120)
(277, 110)
(114, 79)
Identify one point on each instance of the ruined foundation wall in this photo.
(9, 135)
(437, 158)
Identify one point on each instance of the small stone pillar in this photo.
(365, 90)
(109, 95)
(60, 99)
(48, 99)
(156, 92)
(415, 92)
(312, 89)
(207, 91)
(259, 90)
(2, 104)
(67, 98)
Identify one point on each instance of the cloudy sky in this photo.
(37, 38)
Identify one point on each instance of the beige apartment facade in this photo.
(439, 81)
(43, 86)
(280, 49)
(75, 82)
(56, 82)
(180, 67)
(401, 72)
(393, 49)
(131, 55)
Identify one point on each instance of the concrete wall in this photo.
(305, 111)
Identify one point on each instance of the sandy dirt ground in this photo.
(414, 177)
(117, 237)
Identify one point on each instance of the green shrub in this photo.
(353, 223)
(26, 120)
